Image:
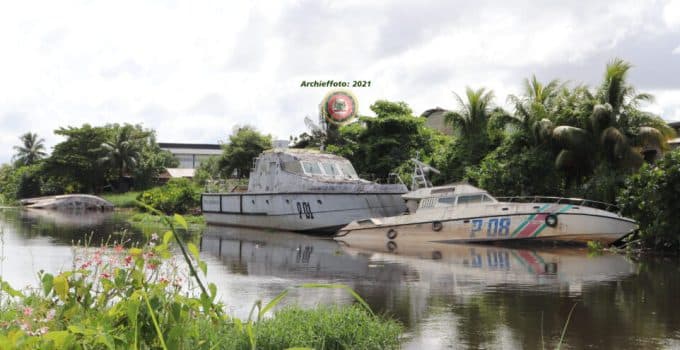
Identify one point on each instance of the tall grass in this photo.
(123, 200)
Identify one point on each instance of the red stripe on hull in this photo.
(531, 227)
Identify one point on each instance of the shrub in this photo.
(650, 196)
(328, 327)
(177, 196)
(514, 169)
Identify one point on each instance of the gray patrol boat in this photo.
(303, 191)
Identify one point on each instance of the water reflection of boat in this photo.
(500, 264)
(463, 213)
(67, 218)
(257, 252)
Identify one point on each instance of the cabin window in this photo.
(311, 168)
(293, 167)
(447, 200)
(348, 170)
(471, 199)
(330, 169)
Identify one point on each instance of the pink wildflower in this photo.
(50, 315)
(118, 248)
(105, 275)
(128, 259)
(28, 311)
(151, 266)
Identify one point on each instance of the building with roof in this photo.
(436, 120)
(190, 156)
(675, 143)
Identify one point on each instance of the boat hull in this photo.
(569, 226)
(321, 213)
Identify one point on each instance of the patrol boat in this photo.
(303, 191)
(464, 213)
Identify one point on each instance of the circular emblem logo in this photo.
(339, 107)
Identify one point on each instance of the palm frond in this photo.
(543, 129)
(651, 137)
(566, 160)
(572, 138)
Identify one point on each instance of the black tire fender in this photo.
(392, 233)
(437, 226)
(551, 220)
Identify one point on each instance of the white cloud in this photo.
(666, 104)
(194, 70)
(676, 51)
(671, 14)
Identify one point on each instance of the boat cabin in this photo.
(279, 170)
(446, 196)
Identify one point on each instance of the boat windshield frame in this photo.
(562, 200)
(453, 200)
(330, 169)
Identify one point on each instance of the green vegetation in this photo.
(245, 143)
(177, 196)
(379, 146)
(651, 197)
(137, 297)
(123, 200)
(327, 328)
(31, 150)
(89, 160)
(155, 221)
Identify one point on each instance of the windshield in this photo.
(311, 168)
(348, 170)
(326, 169)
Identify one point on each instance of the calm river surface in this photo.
(447, 296)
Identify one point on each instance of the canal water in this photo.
(446, 296)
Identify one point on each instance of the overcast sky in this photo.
(192, 70)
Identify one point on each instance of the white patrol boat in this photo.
(304, 191)
(464, 213)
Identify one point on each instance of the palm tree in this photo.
(535, 109)
(123, 151)
(472, 116)
(616, 131)
(31, 149)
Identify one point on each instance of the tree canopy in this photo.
(245, 143)
(380, 145)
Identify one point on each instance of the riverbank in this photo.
(123, 200)
(143, 297)
(137, 216)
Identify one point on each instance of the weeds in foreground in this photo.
(148, 297)
(564, 329)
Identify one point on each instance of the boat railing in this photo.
(561, 200)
